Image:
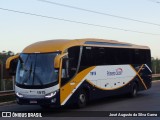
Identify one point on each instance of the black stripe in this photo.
(36, 86)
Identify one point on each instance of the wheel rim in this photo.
(135, 91)
(82, 98)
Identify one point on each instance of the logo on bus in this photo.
(93, 73)
(117, 71)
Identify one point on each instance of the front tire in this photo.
(82, 99)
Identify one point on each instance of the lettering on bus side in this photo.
(118, 71)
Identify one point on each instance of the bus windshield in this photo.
(36, 69)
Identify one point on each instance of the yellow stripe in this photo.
(142, 81)
(60, 73)
(140, 68)
(137, 73)
(68, 88)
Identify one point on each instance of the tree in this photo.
(155, 66)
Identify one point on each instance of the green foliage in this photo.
(7, 98)
(155, 65)
(3, 73)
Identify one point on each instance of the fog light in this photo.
(53, 100)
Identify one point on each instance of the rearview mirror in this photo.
(57, 60)
(11, 64)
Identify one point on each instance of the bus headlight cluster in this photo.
(49, 95)
(19, 94)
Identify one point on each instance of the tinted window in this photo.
(70, 64)
(94, 56)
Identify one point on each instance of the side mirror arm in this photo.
(11, 64)
(9, 60)
(57, 60)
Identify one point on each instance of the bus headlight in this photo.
(49, 95)
(19, 94)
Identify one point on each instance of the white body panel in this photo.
(105, 77)
(36, 93)
(111, 77)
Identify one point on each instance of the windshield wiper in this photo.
(22, 62)
(34, 73)
(29, 72)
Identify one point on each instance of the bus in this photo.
(64, 72)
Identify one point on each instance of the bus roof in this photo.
(63, 44)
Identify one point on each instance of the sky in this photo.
(20, 30)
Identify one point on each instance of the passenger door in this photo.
(69, 70)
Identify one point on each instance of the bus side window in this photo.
(70, 64)
(65, 68)
(87, 58)
(99, 56)
(110, 56)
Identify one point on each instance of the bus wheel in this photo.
(134, 90)
(82, 99)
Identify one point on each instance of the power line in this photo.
(78, 22)
(155, 1)
(96, 12)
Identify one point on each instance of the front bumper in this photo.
(38, 101)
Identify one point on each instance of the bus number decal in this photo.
(93, 73)
(41, 92)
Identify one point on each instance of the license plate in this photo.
(33, 101)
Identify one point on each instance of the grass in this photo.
(8, 84)
(156, 78)
(7, 98)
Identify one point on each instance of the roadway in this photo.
(148, 100)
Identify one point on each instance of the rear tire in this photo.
(82, 99)
(134, 90)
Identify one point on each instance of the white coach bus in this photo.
(62, 72)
